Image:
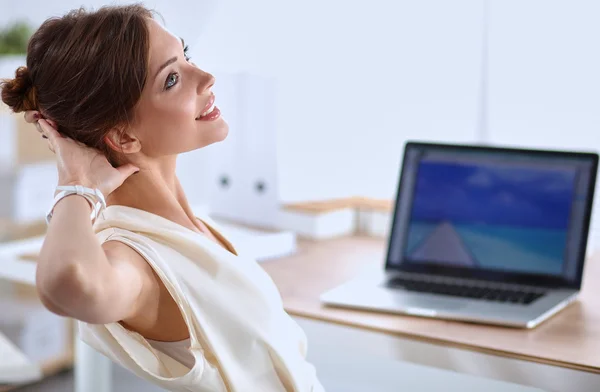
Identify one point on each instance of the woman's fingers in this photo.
(48, 130)
(32, 116)
(38, 127)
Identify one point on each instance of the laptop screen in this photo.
(493, 212)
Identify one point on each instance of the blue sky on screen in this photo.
(506, 195)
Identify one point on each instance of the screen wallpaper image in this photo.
(511, 218)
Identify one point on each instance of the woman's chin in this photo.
(222, 132)
(216, 135)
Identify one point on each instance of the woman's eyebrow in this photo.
(169, 61)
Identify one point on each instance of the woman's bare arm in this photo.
(79, 278)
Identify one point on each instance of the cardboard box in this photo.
(22, 143)
(28, 173)
(14, 231)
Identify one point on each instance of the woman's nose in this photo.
(207, 80)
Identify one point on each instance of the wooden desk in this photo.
(570, 339)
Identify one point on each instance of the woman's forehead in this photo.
(162, 43)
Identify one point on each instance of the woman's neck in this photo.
(156, 190)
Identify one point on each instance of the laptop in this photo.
(482, 234)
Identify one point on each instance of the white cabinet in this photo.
(243, 177)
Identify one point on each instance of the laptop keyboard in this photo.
(456, 289)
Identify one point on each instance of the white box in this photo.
(374, 223)
(27, 191)
(40, 335)
(319, 226)
(15, 368)
(260, 245)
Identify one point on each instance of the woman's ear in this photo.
(122, 141)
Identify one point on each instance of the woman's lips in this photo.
(210, 112)
(208, 107)
(212, 115)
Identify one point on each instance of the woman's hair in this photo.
(85, 71)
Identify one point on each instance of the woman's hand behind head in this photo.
(85, 70)
(78, 164)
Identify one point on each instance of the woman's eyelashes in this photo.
(172, 80)
(173, 77)
(185, 53)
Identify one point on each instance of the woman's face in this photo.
(171, 116)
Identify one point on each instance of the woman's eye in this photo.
(185, 53)
(171, 80)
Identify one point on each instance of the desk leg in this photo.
(92, 369)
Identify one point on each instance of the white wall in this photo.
(545, 73)
(185, 18)
(544, 79)
(188, 16)
(355, 80)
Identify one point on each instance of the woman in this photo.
(154, 288)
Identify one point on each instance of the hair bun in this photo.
(19, 93)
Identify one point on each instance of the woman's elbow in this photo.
(66, 291)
